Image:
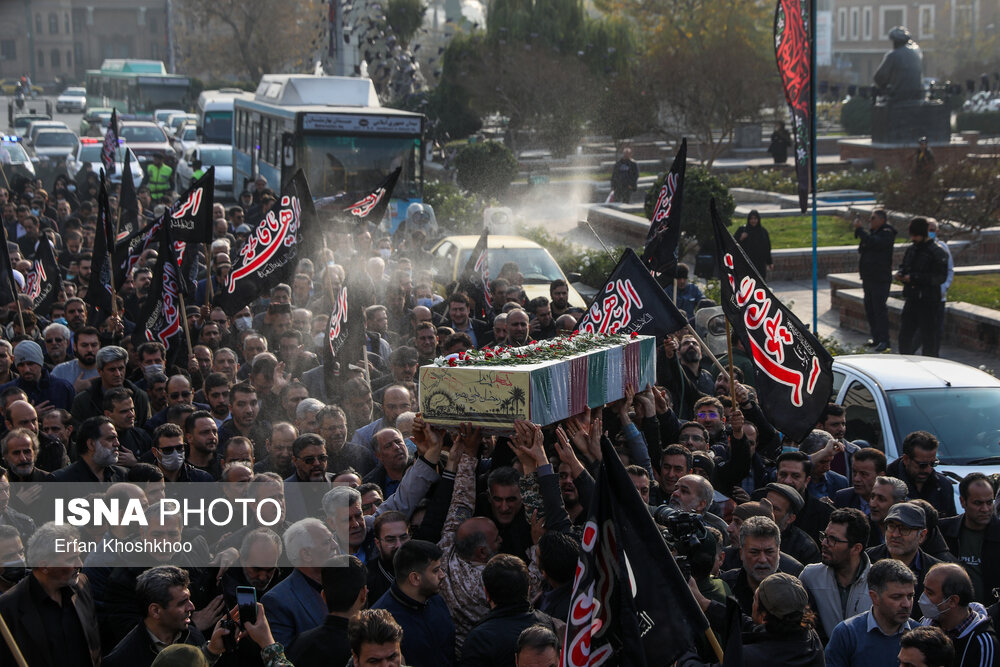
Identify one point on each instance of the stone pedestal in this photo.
(906, 122)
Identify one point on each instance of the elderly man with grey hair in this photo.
(296, 604)
(54, 575)
(56, 338)
(111, 362)
(821, 448)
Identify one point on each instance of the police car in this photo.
(14, 158)
(89, 151)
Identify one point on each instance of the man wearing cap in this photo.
(838, 586)
(779, 605)
(45, 391)
(872, 638)
(787, 503)
(905, 530)
(159, 177)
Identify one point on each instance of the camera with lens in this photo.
(693, 546)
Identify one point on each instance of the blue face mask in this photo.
(34, 211)
(933, 235)
(425, 301)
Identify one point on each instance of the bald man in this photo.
(178, 391)
(51, 455)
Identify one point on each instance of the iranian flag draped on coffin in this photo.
(544, 382)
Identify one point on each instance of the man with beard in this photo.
(81, 370)
(916, 468)
(179, 391)
(120, 409)
(202, 438)
(19, 449)
(332, 426)
(391, 532)
(905, 530)
(395, 401)
(97, 446)
(304, 490)
(56, 338)
(168, 452)
(358, 405)
(413, 600)
(224, 361)
(58, 425)
(834, 421)
(71, 638)
(346, 595)
(393, 458)
(111, 363)
(517, 328)
(51, 453)
(279, 450)
(76, 308)
(838, 584)
(216, 393)
(683, 375)
(559, 294)
(12, 556)
(708, 412)
(244, 408)
(7, 373)
(675, 462)
(760, 549)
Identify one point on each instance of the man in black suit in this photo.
(459, 319)
(50, 612)
(345, 593)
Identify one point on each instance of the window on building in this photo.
(123, 51)
(55, 58)
(38, 24)
(891, 16)
(963, 21)
(69, 59)
(8, 49)
(855, 23)
(77, 25)
(866, 24)
(926, 27)
(108, 50)
(154, 50)
(152, 24)
(53, 24)
(77, 52)
(66, 22)
(41, 59)
(842, 24)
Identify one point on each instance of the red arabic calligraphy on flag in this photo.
(273, 234)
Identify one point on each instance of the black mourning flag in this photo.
(99, 294)
(8, 286)
(273, 249)
(792, 371)
(371, 208)
(191, 215)
(160, 317)
(660, 253)
(630, 603)
(128, 203)
(475, 279)
(110, 146)
(41, 282)
(632, 301)
(130, 249)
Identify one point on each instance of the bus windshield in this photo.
(218, 127)
(216, 157)
(157, 96)
(355, 165)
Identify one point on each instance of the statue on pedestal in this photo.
(900, 75)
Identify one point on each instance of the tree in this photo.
(963, 192)
(249, 38)
(700, 186)
(486, 168)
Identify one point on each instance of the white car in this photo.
(37, 126)
(89, 151)
(219, 156)
(176, 120)
(72, 99)
(888, 396)
(160, 116)
(184, 139)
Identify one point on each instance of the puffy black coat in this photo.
(926, 266)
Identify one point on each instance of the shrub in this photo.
(486, 168)
(856, 116)
(457, 212)
(700, 186)
(987, 122)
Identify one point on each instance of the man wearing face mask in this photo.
(168, 450)
(243, 320)
(947, 603)
(97, 446)
(12, 565)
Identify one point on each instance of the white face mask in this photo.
(105, 457)
(151, 370)
(243, 322)
(386, 253)
(173, 461)
(928, 608)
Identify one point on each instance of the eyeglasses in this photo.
(54, 340)
(180, 394)
(926, 464)
(900, 528)
(826, 537)
(309, 460)
(370, 506)
(708, 415)
(171, 449)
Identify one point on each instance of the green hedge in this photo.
(987, 122)
(856, 116)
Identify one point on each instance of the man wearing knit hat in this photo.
(44, 390)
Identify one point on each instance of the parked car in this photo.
(160, 116)
(95, 122)
(219, 156)
(534, 262)
(21, 121)
(146, 139)
(888, 397)
(51, 148)
(89, 151)
(72, 99)
(176, 120)
(184, 139)
(37, 126)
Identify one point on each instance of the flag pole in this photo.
(209, 296)
(813, 162)
(729, 354)
(12, 643)
(601, 241)
(184, 320)
(705, 349)
(714, 641)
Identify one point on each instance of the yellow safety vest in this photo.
(159, 179)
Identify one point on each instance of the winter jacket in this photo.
(875, 263)
(976, 644)
(800, 649)
(926, 266)
(824, 593)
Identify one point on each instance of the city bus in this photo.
(336, 131)
(215, 114)
(136, 87)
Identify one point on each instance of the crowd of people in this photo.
(402, 541)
